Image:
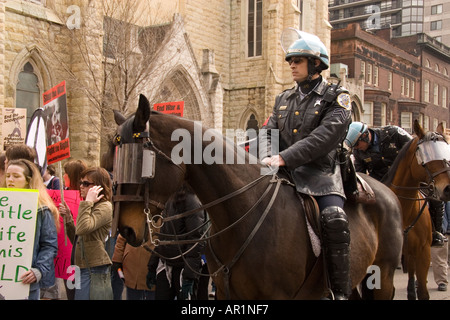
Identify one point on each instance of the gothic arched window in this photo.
(28, 94)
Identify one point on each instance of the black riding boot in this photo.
(336, 247)
(437, 210)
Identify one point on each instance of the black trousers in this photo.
(165, 290)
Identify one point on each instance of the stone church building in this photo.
(222, 58)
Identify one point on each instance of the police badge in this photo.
(344, 101)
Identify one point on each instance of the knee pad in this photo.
(335, 225)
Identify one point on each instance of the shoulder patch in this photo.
(344, 100)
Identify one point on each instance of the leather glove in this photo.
(187, 289)
(115, 266)
(151, 279)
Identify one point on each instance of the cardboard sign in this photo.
(62, 260)
(176, 108)
(14, 126)
(18, 211)
(57, 123)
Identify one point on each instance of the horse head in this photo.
(141, 162)
(432, 166)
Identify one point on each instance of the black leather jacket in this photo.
(310, 132)
(378, 158)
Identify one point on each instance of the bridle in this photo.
(426, 189)
(144, 139)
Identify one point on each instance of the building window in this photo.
(435, 123)
(436, 25)
(367, 116)
(363, 70)
(27, 91)
(426, 123)
(254, 28)
(369, 73)
(444, 97)
(426, 91)
(413, 89)
(383, 113)
(375, 76)
(402, 86)
(407, 88)
(300, 8)
(436, 94)
(406, 121)
(437, 9)
(390, 81)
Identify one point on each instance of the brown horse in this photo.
(419, 165)
(258, 246)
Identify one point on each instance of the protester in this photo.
(23, 174)
(71, 179)
(50, 180)
(93, 226)
(72, 173)
(20, 151)
(132, 262)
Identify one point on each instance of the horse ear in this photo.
(142, 114)
(418, 129)
(440, 128)
(118, 117)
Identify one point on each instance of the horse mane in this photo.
(387, 179)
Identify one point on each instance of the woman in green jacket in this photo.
(92, 228)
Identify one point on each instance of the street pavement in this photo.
(401, 281)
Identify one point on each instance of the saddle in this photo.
(363, 192)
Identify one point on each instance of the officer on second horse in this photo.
(375, 149)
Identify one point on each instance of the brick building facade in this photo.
(404, 78)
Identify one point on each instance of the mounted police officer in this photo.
(375, 149)
(312, 120)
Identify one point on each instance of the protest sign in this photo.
(176, 108)
(14, 125)
(57, 123)
(18, 210)
(62, 260)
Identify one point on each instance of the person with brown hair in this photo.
(20, 151)
(93, 226)
(24, 174)
(72, 173)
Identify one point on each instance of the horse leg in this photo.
(422, 268)
(411, 288)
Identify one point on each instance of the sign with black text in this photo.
(57, 124)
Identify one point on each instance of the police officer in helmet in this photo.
(375, 149)
(312, 120)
